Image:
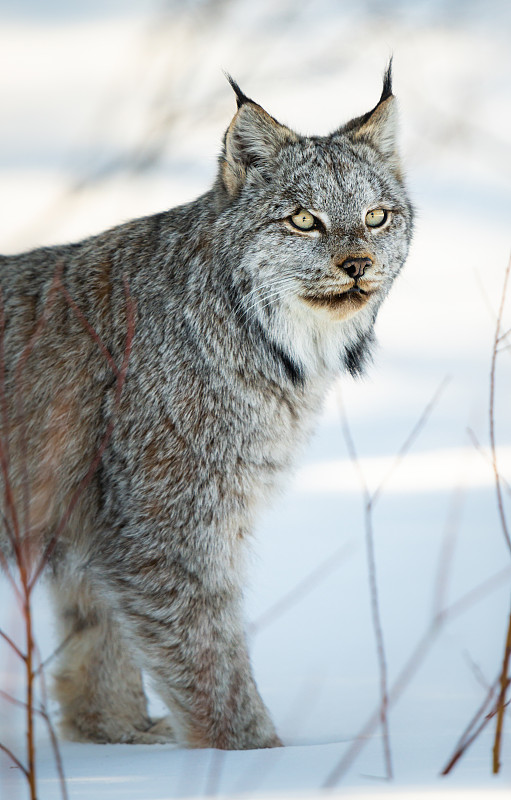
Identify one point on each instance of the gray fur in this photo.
(228, 371)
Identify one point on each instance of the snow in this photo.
(82, 87)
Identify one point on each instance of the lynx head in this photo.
(318, 227)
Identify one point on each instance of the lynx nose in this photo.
(355, 267)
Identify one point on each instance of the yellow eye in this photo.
(376, 218)
(303, 220)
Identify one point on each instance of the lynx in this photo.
(242, 307)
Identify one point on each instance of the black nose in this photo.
(355, 267)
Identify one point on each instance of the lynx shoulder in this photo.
(159, 379)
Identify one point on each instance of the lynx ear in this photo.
(252, 141)
(378, 128)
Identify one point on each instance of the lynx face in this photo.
(340, 263)
(325, 221)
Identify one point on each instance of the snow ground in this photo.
(93, 89)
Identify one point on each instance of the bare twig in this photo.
(493, 446)
(478, 446)
(469, 736)
(298, 592)
(28, 573)
(21, 418)
(58, 650)
(51, 730)
(504, 681)
(447, 551)
(88, 327)
(15, 760)
(411, 667)
(12, 645)
(471, 732)
(375, 607)
(370, 500)
(85, 481)
(412, 436)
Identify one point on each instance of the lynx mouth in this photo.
(350, 299)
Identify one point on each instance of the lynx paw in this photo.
(112, 732)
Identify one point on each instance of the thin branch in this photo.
(504, 681)
(447, 551)
(469, 735)
(88, 327)
(476, 671)
(413, 435)
(503, 336)
(13, 700)
(369, 503)
(478, 446)
(15, 760)
(373, 590)
(57, 754)
(462, 749)
(493, 445)
(298, 592)
(415, 660)
(18, 373)
(121, 377)
(12, 645)
(44, 713)
(43, 664)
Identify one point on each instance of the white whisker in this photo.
(257, 307)
(268, 296)
(261, 293)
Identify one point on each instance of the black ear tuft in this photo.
(241, 97)
(387, 83)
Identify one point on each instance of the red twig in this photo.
(88, 327)
(29, 576)
(121, 377)
(21, 418)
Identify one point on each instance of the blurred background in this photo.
(112, 109)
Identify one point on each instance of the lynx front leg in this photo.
(193, 645)
(98, 685)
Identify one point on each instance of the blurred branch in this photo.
(411, 667)
(15, 760)
(504, 682)
(302, 588)
(473, 438)
(493, 378)
(12, 645)
(370, 500)
(473, 729)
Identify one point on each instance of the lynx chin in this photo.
(248, 302)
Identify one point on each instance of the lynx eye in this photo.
(303, 220)
(376, 218)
